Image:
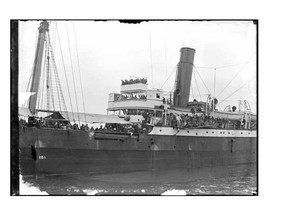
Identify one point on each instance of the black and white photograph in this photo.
(136, 107)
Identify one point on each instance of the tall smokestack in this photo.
(183, 77)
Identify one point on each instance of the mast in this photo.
(44, 27)
(183, 77)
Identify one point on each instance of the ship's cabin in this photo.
(137, 101)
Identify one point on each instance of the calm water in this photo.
(233, 180)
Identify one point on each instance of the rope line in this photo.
(225, 66)
(197, 88)
(79, 73)
(201, 79)
(166, 71)
(233, 78)
(72, 73)
(192, 87)
(57, 80)
(151, 54)
(65, 72)
(237, 90)
(169, 76)
(40, 101)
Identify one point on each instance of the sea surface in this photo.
(229, 180)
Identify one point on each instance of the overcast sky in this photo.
(111, 51)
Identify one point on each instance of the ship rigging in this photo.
(149, 129)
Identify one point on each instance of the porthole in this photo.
(187, 131)
(223, 132)
(220, 132)
(206, 131)
(228, 132)
(213, 132)
(196, 133)
(241, 132)
(160, 130)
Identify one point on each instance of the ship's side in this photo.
(61, 148)
(56, 151)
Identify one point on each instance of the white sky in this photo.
(111, 51)
(273, 47)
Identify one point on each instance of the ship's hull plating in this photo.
(52, 151)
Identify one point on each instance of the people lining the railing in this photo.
(182, 121)
(134, 81)
(131, 97)
(150, 119)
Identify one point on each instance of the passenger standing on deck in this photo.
(82, 127)
(243, 122)
(178, 120)
(86, 127)
(174, 121)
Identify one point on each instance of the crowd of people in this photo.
(132, 97)
(134, 81)
(150, 118)
(181, 121)
(66, 125)
(188, 121)
(51, 123)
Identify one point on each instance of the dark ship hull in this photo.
(56, 151)
(59, 151)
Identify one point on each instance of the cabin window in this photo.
(160, 130)
(206, 131)
(196, 133)
(241, 132)
(187, 131)
(157, 95)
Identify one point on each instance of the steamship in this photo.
(160, 140)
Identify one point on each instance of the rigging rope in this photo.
(166, 71)
(44, 80)
(169, 76)
(72, 73)
(56, 77)
(49, 80)
(151, 54)
(192, 87)
(79, 74)
(237, 90)
(201, 79)
(220, 67)
(197, 88)
(54, 38)
(233, 78)
(65, 72)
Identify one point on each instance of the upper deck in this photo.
(135, 94)
(133, 88)
(150, 99)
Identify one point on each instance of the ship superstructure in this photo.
(148, 129)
